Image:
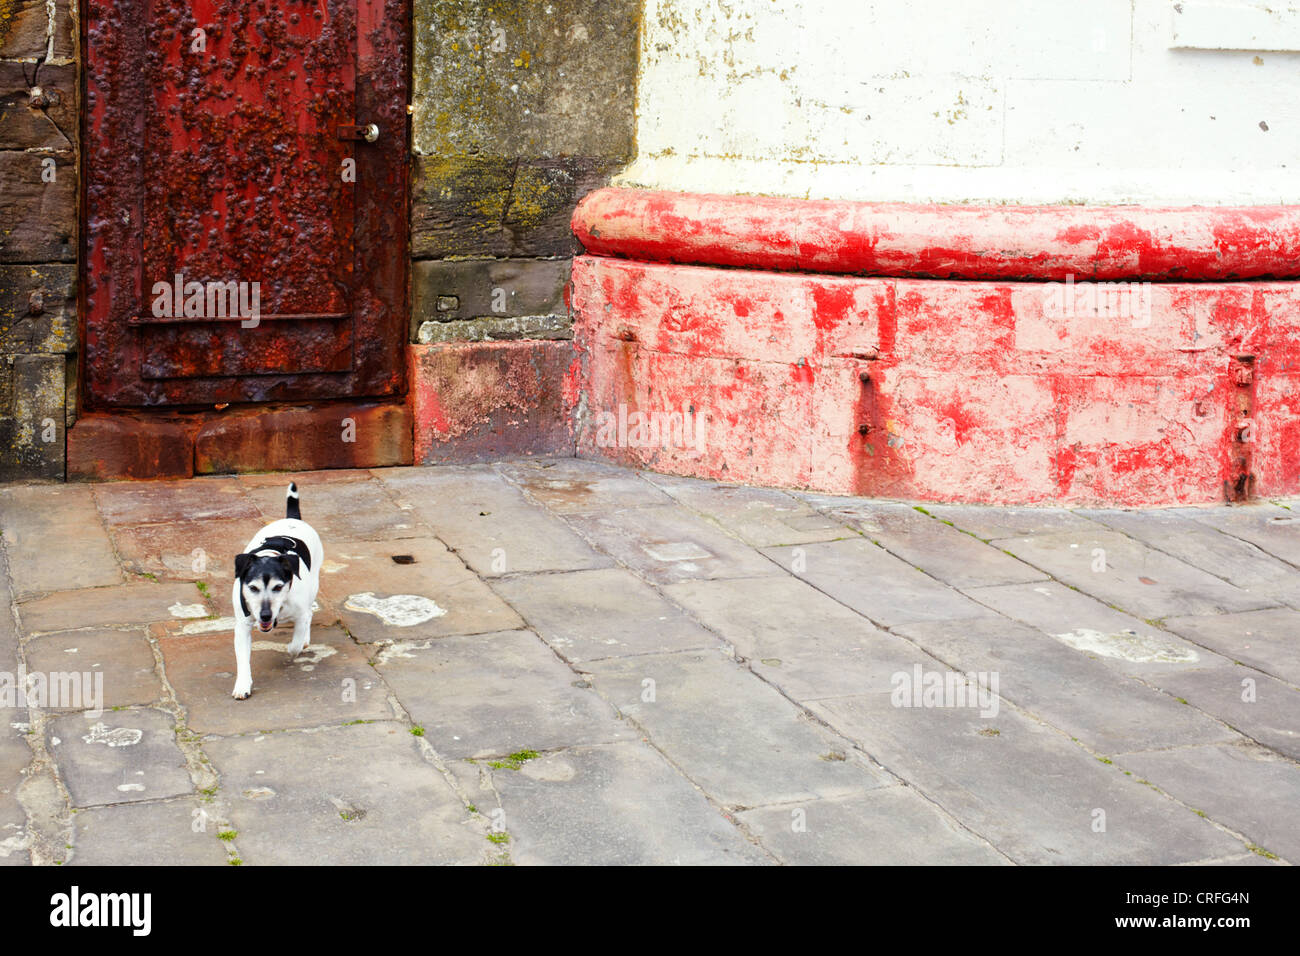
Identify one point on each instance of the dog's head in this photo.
(264, 584)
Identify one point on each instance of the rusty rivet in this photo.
(1201, 410)
(626, 335)
(1244, 376)
(864, 429)
(864, 377)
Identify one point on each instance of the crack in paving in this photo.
(203, 776)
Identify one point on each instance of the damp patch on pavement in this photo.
(188, 610)
(400, 610)
(207, 627)
(118, 737)
(1128, 646)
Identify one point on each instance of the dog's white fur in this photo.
(296, 607)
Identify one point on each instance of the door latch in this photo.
(369, 132)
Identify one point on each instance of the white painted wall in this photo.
(1034, 101)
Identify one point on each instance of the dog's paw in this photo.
(242, 690)
(295, 649)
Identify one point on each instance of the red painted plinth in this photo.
(1010, 392)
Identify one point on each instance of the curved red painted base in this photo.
(1196, 243)
(1130, 393)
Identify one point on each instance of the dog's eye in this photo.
(278, 587)
(254, 588)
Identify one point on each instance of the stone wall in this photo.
(38, 235)
(520, 109)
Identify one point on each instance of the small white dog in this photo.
(276, 579)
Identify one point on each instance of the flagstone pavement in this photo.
(558, 661)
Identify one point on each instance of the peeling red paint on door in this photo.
(213, 153)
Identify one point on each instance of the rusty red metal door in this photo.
(244, 241)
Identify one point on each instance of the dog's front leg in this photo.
(301, 635)
(243, 662)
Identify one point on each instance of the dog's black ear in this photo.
(242, 561)
(290, 564)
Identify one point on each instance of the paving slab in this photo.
(144, 602)
(936, 548)
(196, 499)
(609, 612)
(989, 523)
(613, 805)
(1272, 718)
(875, 583)
(496, 694)
(330, 683)
(1271, 528)
(577, 486)
(42, 526)
(736, 737)
(120, 664)
(172, 833)
(668, 544)
(488, 521)
(321, 476)
(1203, 546)
(1064, 686)
(359, 509)
(891, 826)
(1267, 640)
(796, 638)
(531, 604)
(1025, 787)
(121, 756)
(9, 644)
(185, 550)
(1122, 572)
(761, 517)
(15, 757)
(1244, 787)
(15, 754)
(410, 566)
(824, 502)
(1118, 640)
(349, 796)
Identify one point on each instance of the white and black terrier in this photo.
(276, 579)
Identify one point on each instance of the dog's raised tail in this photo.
(291, 502)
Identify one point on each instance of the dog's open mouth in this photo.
(267, 626)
